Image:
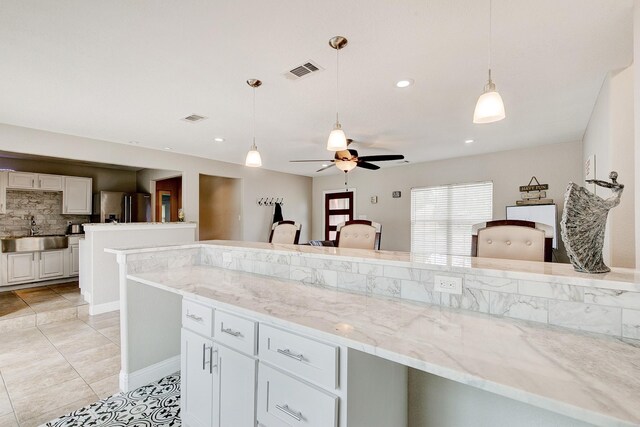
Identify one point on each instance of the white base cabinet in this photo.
(25, 267)
(21, 267)
(232, 379)
(51, 264)
(199, 384)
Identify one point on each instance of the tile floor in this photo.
(52, 363)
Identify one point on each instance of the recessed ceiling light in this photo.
(134, 142)
(167, 148)
(404, 83)
(468, 141)
(324, 165)
(218, 139)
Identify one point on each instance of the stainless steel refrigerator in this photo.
(110, 206)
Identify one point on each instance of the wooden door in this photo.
(338, 207)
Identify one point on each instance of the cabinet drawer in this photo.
(197, 317)
(285, 401)
(236, 332)
(304, 357)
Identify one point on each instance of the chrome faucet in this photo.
(33, 231)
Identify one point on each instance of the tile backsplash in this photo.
(44, 206)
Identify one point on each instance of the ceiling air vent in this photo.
(194, 118)
(303, 70)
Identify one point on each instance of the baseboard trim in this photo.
(149, 374)
(104, 308)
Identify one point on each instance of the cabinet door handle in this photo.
(288, 353)
(293, 414)
(194, 317)
(211, 365)
(231, 332)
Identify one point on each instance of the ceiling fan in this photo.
(348, 159)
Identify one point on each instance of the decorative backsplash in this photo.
(596, 306)
(44, 206)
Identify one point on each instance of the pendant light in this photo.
(253, 159)
(489, 107)
(337, 140)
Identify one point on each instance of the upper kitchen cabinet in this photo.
(34, 181)
(3, 192)
(76, 195)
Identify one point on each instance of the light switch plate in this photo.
(448, 284)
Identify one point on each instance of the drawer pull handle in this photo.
(194, 317)
(293, 414)
(231, 332)
(288, 353)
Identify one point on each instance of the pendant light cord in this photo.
(490, 31)
(254, 117)
(337, 83)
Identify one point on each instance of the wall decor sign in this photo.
(534, 187)
(396, 194)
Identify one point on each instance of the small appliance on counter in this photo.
(75, 229)
(118, 206)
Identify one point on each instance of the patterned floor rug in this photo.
(156, 404)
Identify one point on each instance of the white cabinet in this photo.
(34, 181)
(49, 182)
(74, 269)
(21, 267)
(24, 180)
(3, 192)
(76, 195)
(283, 400)
(198, 381)
(51, 264)
(237, 378)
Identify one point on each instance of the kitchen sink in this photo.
(34, 243)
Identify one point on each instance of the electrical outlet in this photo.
(448, 284)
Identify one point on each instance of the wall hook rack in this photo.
(269, 201)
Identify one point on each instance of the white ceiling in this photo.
(129, 70)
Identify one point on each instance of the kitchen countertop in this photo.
(122, 226)
(619, 278)
(589, 377)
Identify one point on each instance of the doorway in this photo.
(220, 208)
(168, 199)
(338, 208)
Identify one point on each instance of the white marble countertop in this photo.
(619, 278)
(589, 377)
(122, 226)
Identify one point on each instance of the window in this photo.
(441, 217)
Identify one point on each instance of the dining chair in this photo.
(287, 232)
(512, 239)
(359, 234)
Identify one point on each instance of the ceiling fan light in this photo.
(489, 107)
(337, 139)
(345, 165)
(253, 159)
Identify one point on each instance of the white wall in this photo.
(555, 165)
(610, 137)
(636, 80)
(257, 183)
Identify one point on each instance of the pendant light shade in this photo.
(489, 108)
(337, 139)
(345, 165)
(253, 159)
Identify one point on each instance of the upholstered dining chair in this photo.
(359, 234)
(512, 239)
(285, 232)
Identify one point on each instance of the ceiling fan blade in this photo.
(302, 161)
(382, 157)
(324, 168)
(366, 165)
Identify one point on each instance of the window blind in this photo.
(442, 216)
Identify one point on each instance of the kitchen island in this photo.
(99, 275)
(544, 373)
